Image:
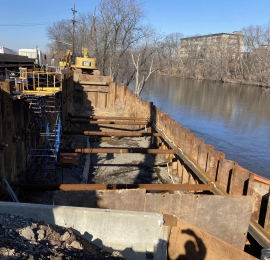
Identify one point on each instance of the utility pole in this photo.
(73, 27)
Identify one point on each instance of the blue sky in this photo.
(23, 23)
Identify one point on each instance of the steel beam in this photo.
(110, 117)
(159, 187)
(108, 122)
(112, 133)
(119, 150)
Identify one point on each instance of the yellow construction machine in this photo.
(64, 63)
(81, 64)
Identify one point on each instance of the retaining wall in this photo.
(226, 174)
(12, 151)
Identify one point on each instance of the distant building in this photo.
(212, 44)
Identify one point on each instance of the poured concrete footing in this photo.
(134, 234)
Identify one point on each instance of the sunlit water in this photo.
(235, 119)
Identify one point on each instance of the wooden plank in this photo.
(213, 214)
(189, 242)
(132, 200)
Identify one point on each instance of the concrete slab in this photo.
(134, 234)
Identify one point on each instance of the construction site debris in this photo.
(23, 238)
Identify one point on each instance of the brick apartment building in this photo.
(212, 44)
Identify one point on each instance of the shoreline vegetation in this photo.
(226, 80)
(241, 57)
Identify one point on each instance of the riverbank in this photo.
(226, 80)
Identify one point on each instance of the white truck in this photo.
(33, 54)
(5, 50)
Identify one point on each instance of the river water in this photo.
(234, 118)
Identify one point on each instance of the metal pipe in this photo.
(160, 187)
(108, 122)
(119, 150)
(113, 133)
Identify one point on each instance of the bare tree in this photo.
(117, 29)
(168, 54)
(139, 84)
(60, 34)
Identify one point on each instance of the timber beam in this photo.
(112, 133)
(119, 150)
(159, 187)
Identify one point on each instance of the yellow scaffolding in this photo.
(43, 83)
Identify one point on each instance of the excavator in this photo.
(80, 64)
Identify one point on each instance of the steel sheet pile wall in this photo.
(67, 95)
(12, 148)
(228, 176)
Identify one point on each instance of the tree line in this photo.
(125, 46)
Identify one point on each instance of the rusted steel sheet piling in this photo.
(195, 161)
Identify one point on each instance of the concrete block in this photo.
(132, 233)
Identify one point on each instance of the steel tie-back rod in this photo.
(111, 117)
(119, 150)
(160, 187)
(108, 122)
(112, 133)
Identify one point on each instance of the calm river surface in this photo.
(235, 119)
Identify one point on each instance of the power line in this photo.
(23, 24)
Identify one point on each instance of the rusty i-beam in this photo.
(160, 187)
(110, 133)
(111, 118)
(109, 122)
(119, 150)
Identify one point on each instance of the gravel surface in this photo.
(22, 238)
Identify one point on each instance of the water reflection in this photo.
(233, 118)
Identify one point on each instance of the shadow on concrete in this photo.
(129, 253)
